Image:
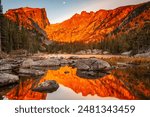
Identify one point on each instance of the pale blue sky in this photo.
(60, 10)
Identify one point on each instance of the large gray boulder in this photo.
(47, 62)
(64, 61)
(92, 64)
(31, 72)
(6, 79)
(5, 67)
(27, 63)
(41, 63)
(48, 86)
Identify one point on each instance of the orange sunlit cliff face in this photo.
(108, 86)
(85, 27)
(26, 16)
(88, 27)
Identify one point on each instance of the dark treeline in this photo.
(136, 40)
(15, 37)
(57, 47)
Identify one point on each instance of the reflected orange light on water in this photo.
(107, 86)
(23, 92)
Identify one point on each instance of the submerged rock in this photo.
(48, 86)
(92, 64)
(6, 79)
(90, 74)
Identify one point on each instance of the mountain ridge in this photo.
(27, 17)
(86, 27)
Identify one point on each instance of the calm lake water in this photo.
(130, 83)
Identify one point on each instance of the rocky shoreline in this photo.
(11, 69)
(35, 66)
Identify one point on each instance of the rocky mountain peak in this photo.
(85, 27)
(24, 15)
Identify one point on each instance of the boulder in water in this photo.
(6, 79)
(48, 86)
(92, 64)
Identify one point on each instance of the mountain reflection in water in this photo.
(23, 91)
(120, 84)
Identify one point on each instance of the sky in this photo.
(60, 10)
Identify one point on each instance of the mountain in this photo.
(88, 26)
(31, 18)
(85, 27)
(95, 26)
(29, 28)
